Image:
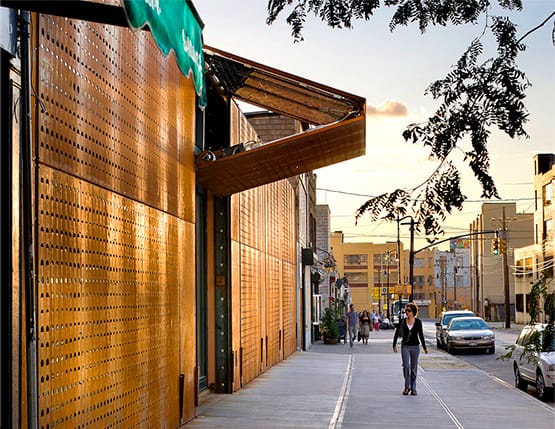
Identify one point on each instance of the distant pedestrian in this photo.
(352, 324)
(376, 320)
(365, 325)
(412, 335)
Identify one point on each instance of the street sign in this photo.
(384, 290)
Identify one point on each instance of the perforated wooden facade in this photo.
(113, 188)
(263, 282)
(115, 224)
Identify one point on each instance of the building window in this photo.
(547, 193)
(547, 228)
(356, 261)
(357, 279)
(418, 262)
(524, 267)
(520, 302)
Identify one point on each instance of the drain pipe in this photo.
(26, 210)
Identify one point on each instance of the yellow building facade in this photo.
(372, 271)
(377, 276)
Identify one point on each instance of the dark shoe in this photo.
(413, 393)
(406, 391)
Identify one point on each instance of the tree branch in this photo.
(537, 27)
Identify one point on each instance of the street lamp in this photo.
(411, 251)
(387, 272)
(380, 286)
(391, 256)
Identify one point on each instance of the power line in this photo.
(466, 201)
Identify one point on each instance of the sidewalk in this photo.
(334, 386)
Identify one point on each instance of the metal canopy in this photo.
(284, 158)
(278, 91)
(339, 117)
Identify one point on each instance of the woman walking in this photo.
(365, 326)
(412, 335)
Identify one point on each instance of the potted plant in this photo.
(328, 325)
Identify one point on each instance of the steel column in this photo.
(222, 259)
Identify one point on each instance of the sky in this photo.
(392, 71)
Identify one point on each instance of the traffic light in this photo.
(495, 246)
(502, 246)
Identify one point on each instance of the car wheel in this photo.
(519, 382)
(540, 385)
(542, 391)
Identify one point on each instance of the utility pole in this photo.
(443, 282)
(455, 287)
(411, 260)
(503, 247)
(398, 250)
(506, 273)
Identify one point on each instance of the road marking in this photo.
(442, 403)
(526, 395)
(340, 406)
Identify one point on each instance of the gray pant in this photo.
(353, 333)
(409, 357)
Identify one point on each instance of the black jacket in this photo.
(410, 337)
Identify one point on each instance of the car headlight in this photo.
(487, 337)
(453, 337)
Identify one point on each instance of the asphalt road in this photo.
(502, 369)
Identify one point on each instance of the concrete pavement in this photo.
(334, 386)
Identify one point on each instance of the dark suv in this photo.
(444, 319)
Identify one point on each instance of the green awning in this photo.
(175, 28)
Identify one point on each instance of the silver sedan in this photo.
(464, 333)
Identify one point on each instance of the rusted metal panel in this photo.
(263, 276)
(108, 313)
(284, 158)
(111, 103)
(115, 206)
(287, 209)
(267, 276)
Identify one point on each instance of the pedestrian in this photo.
(365, 322)
(411, 332)
(352, 324)
(376, 321)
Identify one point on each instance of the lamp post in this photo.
(380, 287)
(411, 251)
(387, 272)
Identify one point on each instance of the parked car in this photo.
(541, 372)
(469, 333)
(386, 324)
(444, 319)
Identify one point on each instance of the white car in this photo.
(540, 373)
(469, 333)
(441, 325)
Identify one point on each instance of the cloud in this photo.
(388, 108)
